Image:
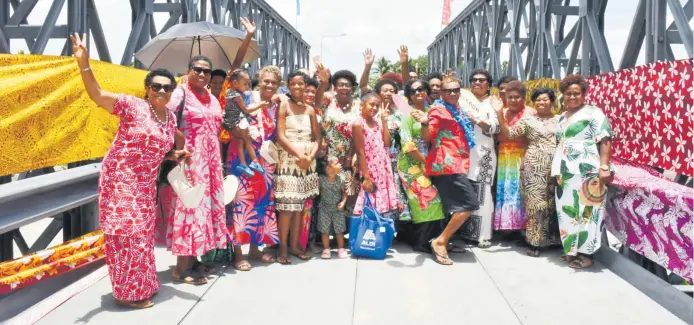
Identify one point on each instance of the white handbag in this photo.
(230, 185)
(268, 150)
(190, 195)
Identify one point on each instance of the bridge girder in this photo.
(539, 45)
(280, 43)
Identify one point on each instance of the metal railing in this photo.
(69, 197)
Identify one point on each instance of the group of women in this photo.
(431, 166)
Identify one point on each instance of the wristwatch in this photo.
(605, 168)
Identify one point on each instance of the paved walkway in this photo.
(498, 286)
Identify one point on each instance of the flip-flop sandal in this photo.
(204, 268)
(484, 244)
(242, 266)
(302, 256)
(265, 258)
(438, 258)
(142, 304)
(581, 263)
(567, 258)
(188, 277)
(284, 260)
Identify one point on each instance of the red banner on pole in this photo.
(446, 16)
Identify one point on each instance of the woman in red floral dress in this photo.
(127, 184)
(192, 232)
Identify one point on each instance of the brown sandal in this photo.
(262, 257)
(284, 260)
(302, 256)
(242, 266)
(567, 258)
(141, 304)
(581, 263)
(188, 277)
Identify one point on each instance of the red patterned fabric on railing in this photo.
(650, 110)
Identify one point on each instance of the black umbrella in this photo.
(173, 49)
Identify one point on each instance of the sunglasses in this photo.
(158, 87)
(480, 80)
(198, 70)
(343, 85)
(451, 91)
(419, 90)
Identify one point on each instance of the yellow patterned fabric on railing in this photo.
(51, 262)
(46, 117)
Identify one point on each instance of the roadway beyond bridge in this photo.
(499, 286)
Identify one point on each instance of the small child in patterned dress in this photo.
(331, 208)
(236, 115)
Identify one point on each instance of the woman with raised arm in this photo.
(127, 184)
(537, 187)
(251, 216)
(192, 232)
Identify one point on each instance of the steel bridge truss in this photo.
(539, 45)
(279, 42)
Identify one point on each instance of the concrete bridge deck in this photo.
(499, 286)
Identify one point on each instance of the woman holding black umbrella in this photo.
(192, 232)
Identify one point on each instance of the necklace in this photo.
(156, 116)
(300, 103)
(345, 108)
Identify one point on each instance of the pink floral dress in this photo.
(193, 232)
(127, 197)
(378, 162)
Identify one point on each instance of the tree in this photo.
(383, 66)
(422, 62)
(504, 67)
(21, 52)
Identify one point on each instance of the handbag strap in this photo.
(179, 114)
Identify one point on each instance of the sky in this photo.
(382, 25)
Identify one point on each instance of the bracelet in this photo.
(86, 69)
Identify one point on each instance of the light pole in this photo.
(321, 42)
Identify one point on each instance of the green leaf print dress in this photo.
(580, 197)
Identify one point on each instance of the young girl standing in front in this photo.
(371, 141)
(296, 180)
(331, 208)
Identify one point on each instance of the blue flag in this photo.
(298, 7)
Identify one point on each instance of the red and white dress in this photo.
(127, 197)
(193, 232)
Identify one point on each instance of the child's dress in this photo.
(330, 219)
(293, 185)
(385, 197)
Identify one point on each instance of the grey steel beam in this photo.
(685, 32)
(48, 25)
(5, 18)
(280, 43)
(534, 31)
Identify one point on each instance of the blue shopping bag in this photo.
(370, 235)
